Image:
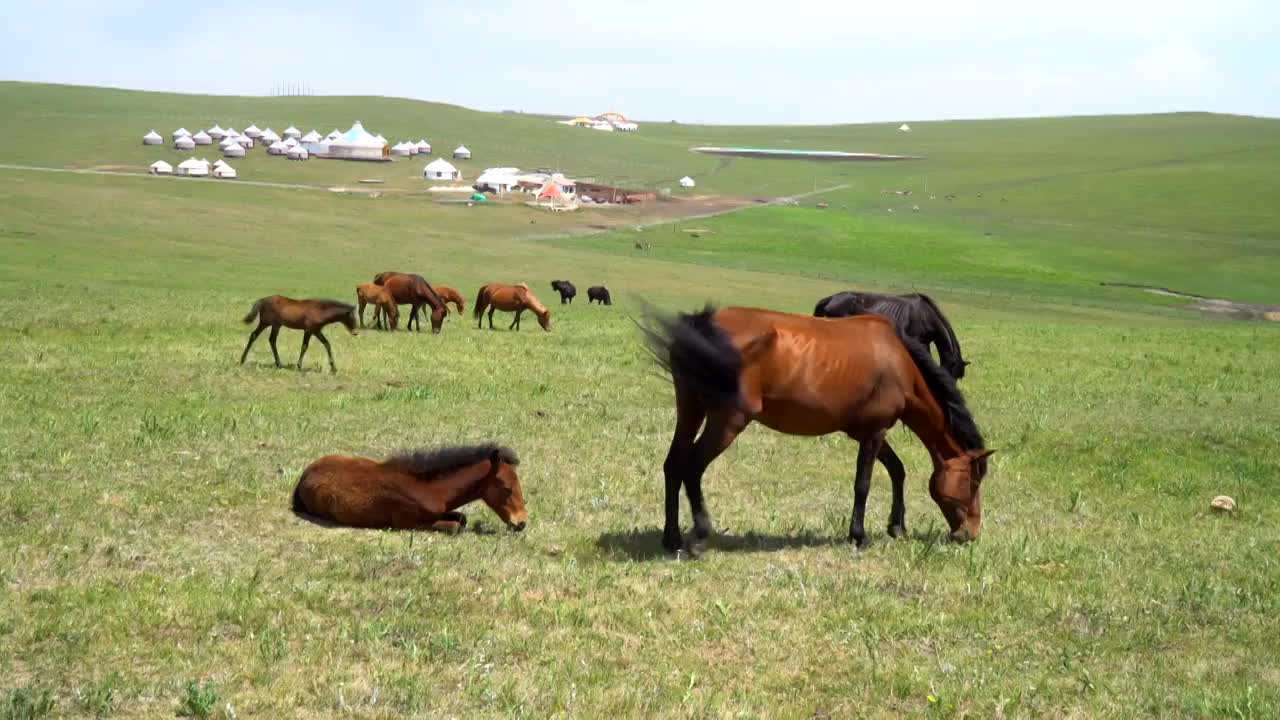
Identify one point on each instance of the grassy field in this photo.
(150, 565)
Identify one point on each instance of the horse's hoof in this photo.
(897, 531)
(960, 536)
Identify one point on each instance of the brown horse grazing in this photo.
(419, 490)
(449, 295)
(309, 316)
(813, 376)
(384, 306)
(510, 298)
(410, 289)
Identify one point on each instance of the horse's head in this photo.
(957, 488)
(544, 319)
(348, 321)
(956, 367)
(503, 496)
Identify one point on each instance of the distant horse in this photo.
(600, 294)
(808, 376)
(419, 490)
(916, 315)
(510, 298)
(309, 316)
(566, 289)
(384, 306)
(414, 290)
(449, 295)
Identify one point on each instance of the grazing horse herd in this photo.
(860, 364)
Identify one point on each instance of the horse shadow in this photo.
(474, 527)
(644, 545)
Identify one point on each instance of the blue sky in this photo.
(782, 61)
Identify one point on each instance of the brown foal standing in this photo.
(384, 306)
(309, 316)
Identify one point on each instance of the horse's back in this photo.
(349, 490)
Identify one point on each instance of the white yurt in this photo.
(297, 152)
(424, 147)
(225, 172)
(904, 128)
(230, 133)
(219, 163)
(269, 136)
(381, 139)
(227, 142)
(184, 143)
(411, 146)
(152, 138)
(180, 132)
(687, 182)
(291, 142)
(202, 138)
(462, 153)
(499, 180)
(358, 144)
(312, 137)
(161, 167)
(193, 167)
(216, 132)
(602, 125)
(441, 169)
(292, 132)
(333, 135)
(277, 148)
(399, 150)
(233, 151)
(253, 131)
(245, 141)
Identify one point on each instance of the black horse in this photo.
(915, 315)
(599, 293)
(566, 289)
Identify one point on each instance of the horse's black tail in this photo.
(951, 357)
(697, 353)
(299, 507)
(943, 388)
(820, 310)
(253, 311)
(479, 309)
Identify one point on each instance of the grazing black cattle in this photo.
(599, 293)
(566, 289)
(915, 315)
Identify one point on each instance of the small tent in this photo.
(411, 146)
(462, 153)
(152, 138)
(424, 147)
(441, 169)
(180, 132)
(193, 167)
(333, 135)
(904, 128)
(219, 163)
(245, 141)
(230, 133)
(202, 138)
(161, 167)
(291, 142)
(297, 152)
(312, 137)
(292, 132)
(253, 132)
(399, 150)
(227, 142)
(233, 151)
(277, 148)
(687, 182)
(269, 136)
(225, 172)
(184, 143)
(216, 132)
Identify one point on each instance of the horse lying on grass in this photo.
(309, 316)
(418, 490)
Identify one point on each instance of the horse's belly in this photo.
(799, 418)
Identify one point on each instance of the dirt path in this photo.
(237, 181)
(1216, 306)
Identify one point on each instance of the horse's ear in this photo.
(981, 454)
(966, 363)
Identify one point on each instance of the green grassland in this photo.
(150, 565)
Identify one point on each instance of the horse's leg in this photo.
(323, 341)
(723, 427)
(306, 340)
(516, 323)
(868, 450)
(252, 336)
(689, 417)
(491, 309)
(898, 476)
(413, 315)
(454, 516)
(275, 333)
(361, 303)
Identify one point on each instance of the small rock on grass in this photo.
(1223, 504)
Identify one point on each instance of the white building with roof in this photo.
(180, 132)
(687, 182)
(358, 144)
(184, 143)
(202, 138)
(462, 153)
(269, 136)
(225, 172)
(292, 132)
(424, 147)
(253, 131)
(161, 167)
(441, 169)
(192, 167)
(277, 148)
(297, 152)
(152, 138)
(216, 132)
(312, 137)
(499, 180)
(233, 150)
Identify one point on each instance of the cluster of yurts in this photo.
(355, 144)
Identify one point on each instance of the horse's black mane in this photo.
(945, 392)
(429, 461)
